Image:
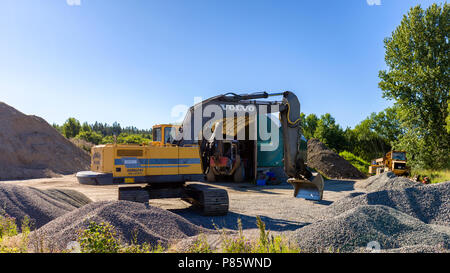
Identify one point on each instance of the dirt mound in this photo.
(149, 224)
(356, 228)
(430, 203)
(31, 148)
(40, 206)
(329, 163)
(386, 181)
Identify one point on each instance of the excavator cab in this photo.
(164, 133)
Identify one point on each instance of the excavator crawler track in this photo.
(212, 201)
(134, 194)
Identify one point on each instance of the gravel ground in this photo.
(386, 181)
(413, 219)
(429, 203)
(149, 224)
(276, 206)
(41, 206)
(356, 228)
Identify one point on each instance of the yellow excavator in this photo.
(180, 154)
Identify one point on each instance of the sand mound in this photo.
(41, 206)
(31, 148)
(357, 227)
(329, 163)
(429, 203)
(150, 224)
(386, 181)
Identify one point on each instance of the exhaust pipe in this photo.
(309, 189)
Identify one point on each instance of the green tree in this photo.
(417, 57)
(57, 127)
(365, 142)
(86, 127)
(127, 139)
(90, 136)
(71, 128)
(330, 133)
(310, 125)
(448, 116)
(374, 136)
(386, 124)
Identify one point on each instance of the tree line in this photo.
(417, 81)
(102, 133)
(371, 138)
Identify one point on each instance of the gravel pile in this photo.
(417, 249)
(149, 224)
(40, 206)
(32, 148)
(428, 203)
(357, 227)
(386, 181)
(329, 163)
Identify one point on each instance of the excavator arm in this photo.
(307, 184)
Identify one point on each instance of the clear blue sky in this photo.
(131, 61)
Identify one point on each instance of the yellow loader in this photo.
(394, 161)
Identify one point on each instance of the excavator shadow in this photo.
(324, 202)
(250, 187)
(333, 185)
(230, 221)
(339, 185)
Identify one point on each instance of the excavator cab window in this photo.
(157, 134)
(168, 134)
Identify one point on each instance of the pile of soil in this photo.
(354, 229)
(40, 206)
(429, 203)
(130, 220)
(329, 163)
(386, 181)
(31, 148)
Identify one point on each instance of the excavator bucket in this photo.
(311, 189)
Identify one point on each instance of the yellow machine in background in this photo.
(394, 161)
